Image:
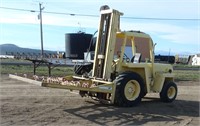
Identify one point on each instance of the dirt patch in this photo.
(27, 104)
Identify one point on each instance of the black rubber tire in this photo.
(121, 81)
(164, 93)
(144, 94)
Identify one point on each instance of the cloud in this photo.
(16, 18)
(177, 33)
(49, 19)
(72, 21)
(172, 33)
(169, 32)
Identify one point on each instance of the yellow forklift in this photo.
(116, 78)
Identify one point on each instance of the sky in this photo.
(22, 28)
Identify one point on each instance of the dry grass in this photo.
(41, 70)
(180, 75)
(187, 75)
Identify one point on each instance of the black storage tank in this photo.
(76, 44)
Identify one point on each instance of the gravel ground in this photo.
(28, 104)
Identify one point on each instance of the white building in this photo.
(6, 57)
(196, 60)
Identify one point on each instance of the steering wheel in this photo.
(126, 58)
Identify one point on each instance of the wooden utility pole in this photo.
(41, 31)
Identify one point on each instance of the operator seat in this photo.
(136, 58)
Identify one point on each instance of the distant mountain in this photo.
(8, 49)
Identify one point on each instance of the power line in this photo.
(89, 15)
(175, 19)
(17, 9)
(72, 14)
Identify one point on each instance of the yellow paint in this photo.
(153, 74)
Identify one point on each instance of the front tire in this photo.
(169, 92)
(129, 89)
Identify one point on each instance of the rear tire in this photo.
(169, 92)
(129, 89)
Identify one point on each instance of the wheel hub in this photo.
(171, 92)
(132, 90)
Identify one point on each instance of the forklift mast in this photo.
(105, 44)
